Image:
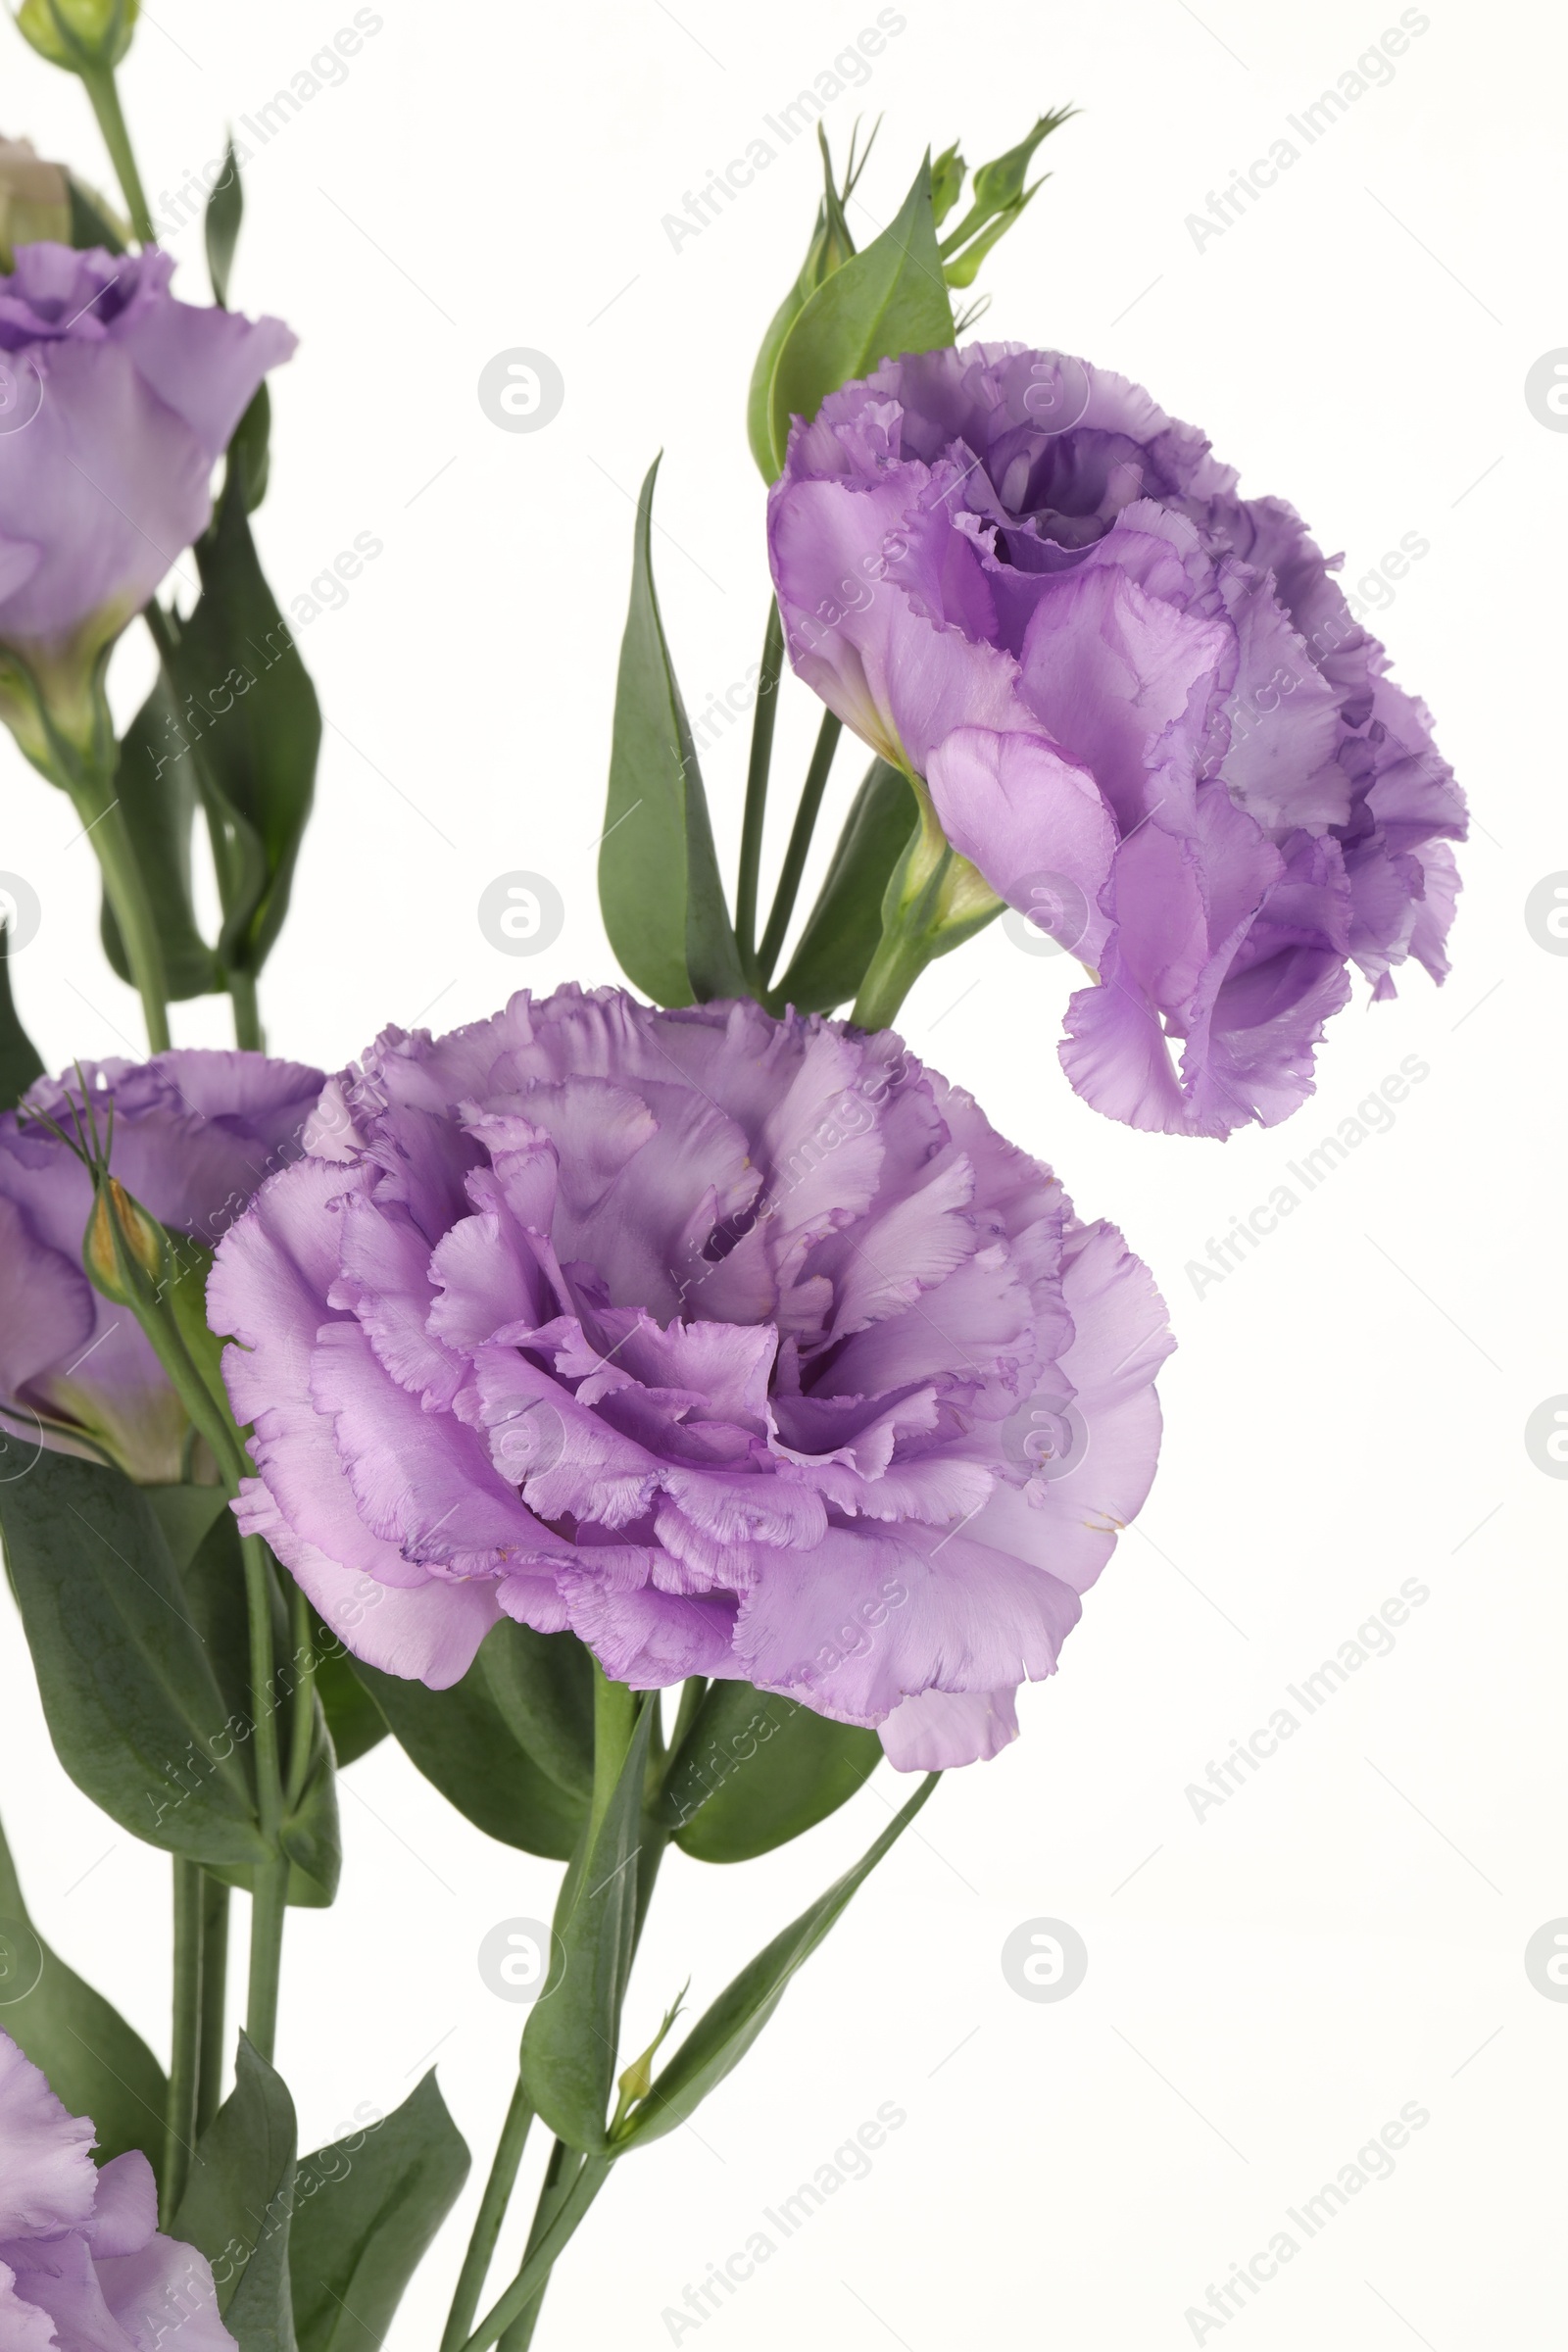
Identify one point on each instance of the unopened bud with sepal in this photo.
(80, 34)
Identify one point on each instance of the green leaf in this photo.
(659, 885)
(760, 391)
(156, 784)
(225, 209)
(92, 223)
(250, 451)
(365, 2211)
(355, 1721)
(544, 1686)
(255, 726)
(570, 2040)
(843, 929)
(890, 299)
(187, 1516)
(460, 1741)
(137, 1711)
(831, 246)
(312, 1836)
(724, 2034)
(20, 1063)
(756, 1770)
(96, 2063)
(238, 2202)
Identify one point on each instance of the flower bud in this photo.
(119, 1229)
(637, 2080)
(34, 200)
(78, 34)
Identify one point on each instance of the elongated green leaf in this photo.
(239, 2204)
(570, 2040)
(365, 2211)
(310, 1832)
(890, 299)
(226, 209)
(96, 2063)
(544, 1686)
(757, 1770)
(19, 1063)
(156, 784)
(185, 1515)
(255, 726)
(91, 220)
(724, 2034)
(460, 1739)
(250, 453)
(830, 248)
(355, 1721)
(760, 392)
(845, 926)
(135, 1707)
(659, 885)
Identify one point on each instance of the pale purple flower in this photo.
(83, 2266)
(118, 400)
(742, 1348)
(1138, 704)
(193, 1135)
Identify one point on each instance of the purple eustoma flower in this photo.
(83, 2266)
(193, 1135)
(742, 1348)
(1137, 702)
(116, 402)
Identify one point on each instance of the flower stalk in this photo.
(764, 719)
(104, 91)
(935, 900)
(58, 713)
(185, 2068)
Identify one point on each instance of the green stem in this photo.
(899, 960)
(692, 1694)
(559, 2174)
(487, 2222)
(589, 2178)
(104, 92)
(162, 628)
(762, 722)
(104, 822)
(268, 1901)
(184, 2065)
(207, 1415)
(214, 2000)
(268, 1910)
(806, 815)
(249, 1035)
(302, 1717)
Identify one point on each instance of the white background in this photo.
(1344, 1934)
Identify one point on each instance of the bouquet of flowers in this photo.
(659, 1403)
